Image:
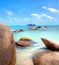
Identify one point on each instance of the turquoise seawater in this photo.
(23, 53)
(51, 33)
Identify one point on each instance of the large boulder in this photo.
(45, 57)
(7, 46)
(50, 45)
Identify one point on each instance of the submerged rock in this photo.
(50, 45)
(18, 30)
(39, 27)
(23, 43)
(25, 39)
(45, 28)
(46, 57)
(32, 28)
(7, 46)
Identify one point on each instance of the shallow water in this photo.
(23, 54)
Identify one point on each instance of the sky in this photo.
(23, 12)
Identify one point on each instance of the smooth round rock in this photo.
(45, 57)
(50, 45)
(7, 46)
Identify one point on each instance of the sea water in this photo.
(23, 53)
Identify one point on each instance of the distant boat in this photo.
(31, 24)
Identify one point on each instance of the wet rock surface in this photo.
(50, 45)
(23, 43)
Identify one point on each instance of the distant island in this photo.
(31, 24)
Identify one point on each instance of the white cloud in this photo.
(9, 12)
(47, 16)
(34, 14)
(41, 15)
(51, 9)
(44, 7)
(13, 19)
(17, 19)
(44, 18)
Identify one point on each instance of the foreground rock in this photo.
(45, 58)
(7, 46)
(50, 45)
(25, 39)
